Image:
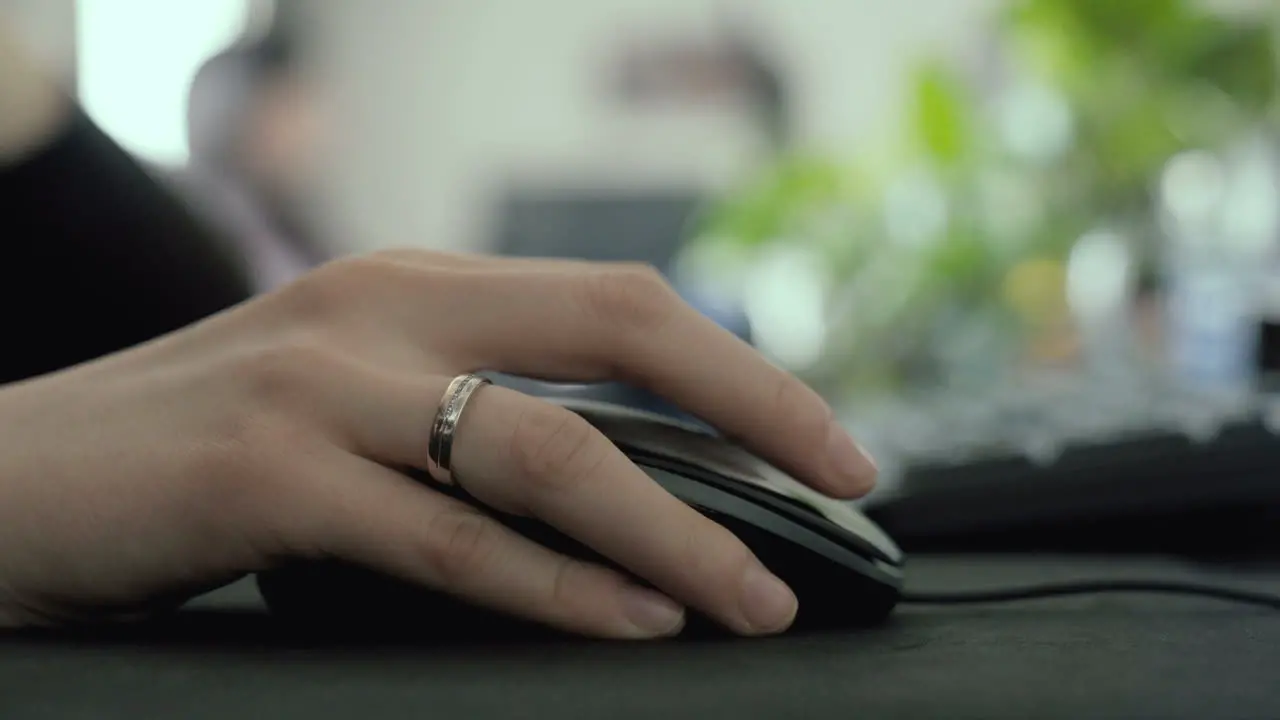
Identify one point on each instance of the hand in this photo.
(272, 431)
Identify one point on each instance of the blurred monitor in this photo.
(604, 226)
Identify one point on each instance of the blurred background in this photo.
(986, 229)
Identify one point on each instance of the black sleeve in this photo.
(96, 257)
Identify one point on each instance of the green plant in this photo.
(1141, 80)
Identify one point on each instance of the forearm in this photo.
(33, 109)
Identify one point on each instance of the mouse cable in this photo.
(1090, 587)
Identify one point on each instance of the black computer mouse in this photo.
(843, 569)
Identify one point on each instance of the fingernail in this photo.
(652, 614)
(768, 604)
(852, 465)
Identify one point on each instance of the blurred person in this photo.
(91, 263)
(254, 133)
(178, 436)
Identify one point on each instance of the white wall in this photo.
(441, 99)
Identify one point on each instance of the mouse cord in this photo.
(1090, 587)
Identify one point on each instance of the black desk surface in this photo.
(1112, 656)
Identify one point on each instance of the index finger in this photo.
(625, 323)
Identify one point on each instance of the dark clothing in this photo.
(97, 257)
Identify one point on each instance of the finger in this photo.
(432, 259)
(522, 455)
(364, 513)
(624, 323)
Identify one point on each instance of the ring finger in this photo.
(522, 455)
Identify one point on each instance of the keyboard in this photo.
(1136, 468)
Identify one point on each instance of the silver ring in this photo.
(440, 444)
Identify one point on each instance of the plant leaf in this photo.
(943, 116)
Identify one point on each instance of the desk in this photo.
(1116, 656)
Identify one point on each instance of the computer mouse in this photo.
(844, 570)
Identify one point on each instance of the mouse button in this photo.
(726, 460)
(685, 446)
(610, 418)
(775, 535)
(722, 459)
(693, 485)
(845, 530)
(720, 462)
(839, 512)
(664, 437)
(660, 437)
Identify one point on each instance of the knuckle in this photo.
(417, 258)
(252, 455)
(713, 554)
(805, 411)
(568, 586)
(461, 545)
(340, 286)
(321, 293)
(288, 374)
(401, 255)
(275, 419)
(555, 450)
(629, 296)
(241, 468)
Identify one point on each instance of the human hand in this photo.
(273, 431)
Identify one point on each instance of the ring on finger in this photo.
(445, 425)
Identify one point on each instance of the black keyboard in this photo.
(1178, 472)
